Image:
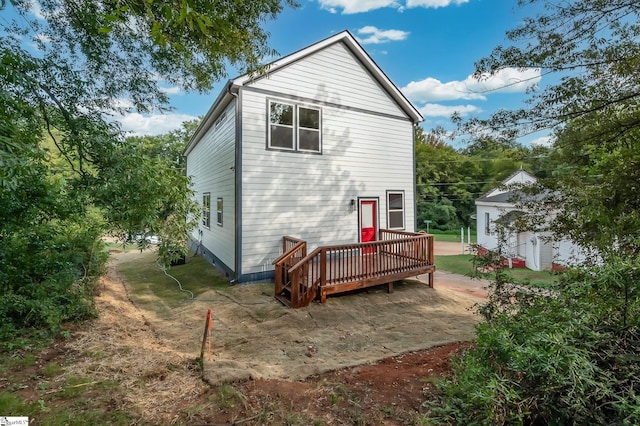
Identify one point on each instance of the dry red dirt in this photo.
(389, 392)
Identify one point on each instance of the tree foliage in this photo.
(67, 172)
(446, 184)
(592, 47)
(564, 358)
(568, 355)
(448, 181)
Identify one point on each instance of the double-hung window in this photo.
(294, 127)
(206, 209)
(219, 211)
(395, 210)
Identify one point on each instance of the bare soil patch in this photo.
(364, 358)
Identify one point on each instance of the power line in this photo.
(454, 183)
(478, 160)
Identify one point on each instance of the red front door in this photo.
(368, 222)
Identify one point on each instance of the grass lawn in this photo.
(154, 291)
(146, 277)
(463, 264)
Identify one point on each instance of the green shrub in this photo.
(48, 277)
(564, 356)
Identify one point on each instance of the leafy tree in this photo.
(592, 47)
(67, 173)
(566, 358)
(168, 146)
(568, 355)
(446, 184)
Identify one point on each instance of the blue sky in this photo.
(427, 48)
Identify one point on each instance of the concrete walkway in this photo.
(456, 282)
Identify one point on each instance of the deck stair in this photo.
(300, 277)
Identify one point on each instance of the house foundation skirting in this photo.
(201, 250)
(257, 276)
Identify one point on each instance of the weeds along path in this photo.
(121, 346)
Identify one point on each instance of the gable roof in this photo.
(515, 196)
(352, 44)
(345, 37)
(519, 177)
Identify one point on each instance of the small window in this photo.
(219, 211)
(395, 210)
(281, 126)
(487, 223)
(206, 209)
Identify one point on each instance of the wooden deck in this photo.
(300, 277)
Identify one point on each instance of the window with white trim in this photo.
(206, 209)
(395, 210)
(487, 223)
(219, 211)
(294, 127)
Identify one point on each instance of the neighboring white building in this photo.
(320, 148)
(536, 250)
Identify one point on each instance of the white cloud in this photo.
(175, 90)
(507, 80)
(543, 141)
(41, 39)
(437, 110)
(36, 10)
(378, 36)
(356, 6)
(156, 124)
(434, 3)
(431, 89)
(360, 6)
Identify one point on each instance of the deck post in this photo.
(323, 268)
(430, 257)
(278, 277)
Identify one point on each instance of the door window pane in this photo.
(367, 215)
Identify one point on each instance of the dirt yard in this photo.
(255, 337)
(363, 358)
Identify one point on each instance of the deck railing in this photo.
(293, 250)
(395, 256)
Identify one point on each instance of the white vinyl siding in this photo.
(211, 163)
(331, 75)
(309, 196)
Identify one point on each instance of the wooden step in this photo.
(283, 299)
